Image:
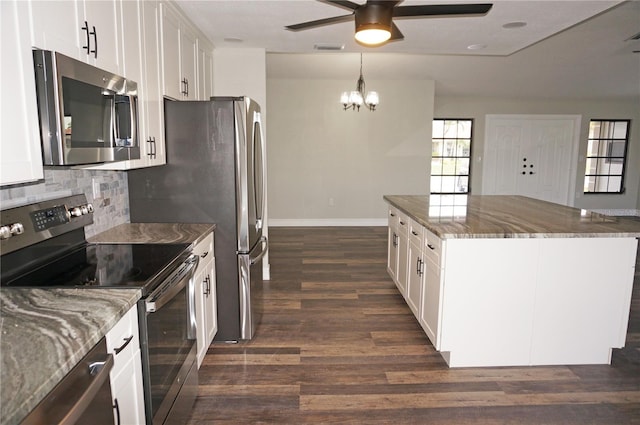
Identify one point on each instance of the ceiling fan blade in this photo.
(396, 34)
(441, 10)
(345, 4)
(320, 22)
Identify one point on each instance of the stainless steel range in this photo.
(44, 245)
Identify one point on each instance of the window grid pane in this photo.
(606, 156)
(451, 155)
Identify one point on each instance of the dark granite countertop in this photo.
(44, 333)
(155, 233)
(501, 216)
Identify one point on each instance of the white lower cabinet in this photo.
(416, 278)
(206, 301)
(126, 376)
(403, 254)
(431, 297)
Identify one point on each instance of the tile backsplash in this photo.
(111, 203)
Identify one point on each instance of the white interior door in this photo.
(531, 155)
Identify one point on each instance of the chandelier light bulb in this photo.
(372, 98)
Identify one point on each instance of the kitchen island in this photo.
(510, 280)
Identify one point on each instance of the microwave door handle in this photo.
(115, 121)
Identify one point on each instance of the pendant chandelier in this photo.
(357, 98)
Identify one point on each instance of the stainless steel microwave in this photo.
(87, 115)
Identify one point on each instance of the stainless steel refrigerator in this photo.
(214, 174)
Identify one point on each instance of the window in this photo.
(606, 156)
(451, 155)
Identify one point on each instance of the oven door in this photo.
(168, 346)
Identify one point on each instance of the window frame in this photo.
(608, 158)
(470, 157)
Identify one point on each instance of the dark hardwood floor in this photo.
(338, 345)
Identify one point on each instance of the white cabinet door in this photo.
(58, 25)
(20, 151)
(403, 256)
(152, 85)
(392, 244)
(126, 376)
(188, 62)
(415, 278)
(172, 84)
(431, 302)
(103, 19)
(205, 72)
(206, 301)
(84, 30)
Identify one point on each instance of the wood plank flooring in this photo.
(338, 345)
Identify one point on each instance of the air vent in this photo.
(326, 46)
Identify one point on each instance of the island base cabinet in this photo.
(546, 301)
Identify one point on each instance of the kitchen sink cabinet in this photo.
(206, 302)
(126, 376)
(20, 152)
(85, 30)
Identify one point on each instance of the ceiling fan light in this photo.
(373, 36)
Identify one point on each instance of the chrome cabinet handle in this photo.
(123, 346)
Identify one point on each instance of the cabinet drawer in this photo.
(204, 250)
(393, 217)
(403, 224)
(432, 247)
(123, 340)
(416, 234)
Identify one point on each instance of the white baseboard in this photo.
(327, 222)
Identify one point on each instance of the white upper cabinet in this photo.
(20, 152)
(84, 30)
(179, 56)
(205, 71)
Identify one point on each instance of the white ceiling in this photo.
(569, 49)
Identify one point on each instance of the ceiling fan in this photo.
(374, 19)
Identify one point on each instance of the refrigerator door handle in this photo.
(264, 245)
(259, 171)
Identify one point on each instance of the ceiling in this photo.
(568, 49)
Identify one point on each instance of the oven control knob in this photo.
(84, 209)
(75, 212)
(5, 232)
(17, 229)
(90, 208)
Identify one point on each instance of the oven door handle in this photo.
(172, 285)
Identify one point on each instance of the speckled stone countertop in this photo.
(155, 233)
(44, 333)
(497, 216)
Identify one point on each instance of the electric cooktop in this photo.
(105, 266)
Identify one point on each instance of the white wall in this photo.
(477, 108)
(240, 72)
(332, 167)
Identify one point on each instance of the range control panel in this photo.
(33, 223)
